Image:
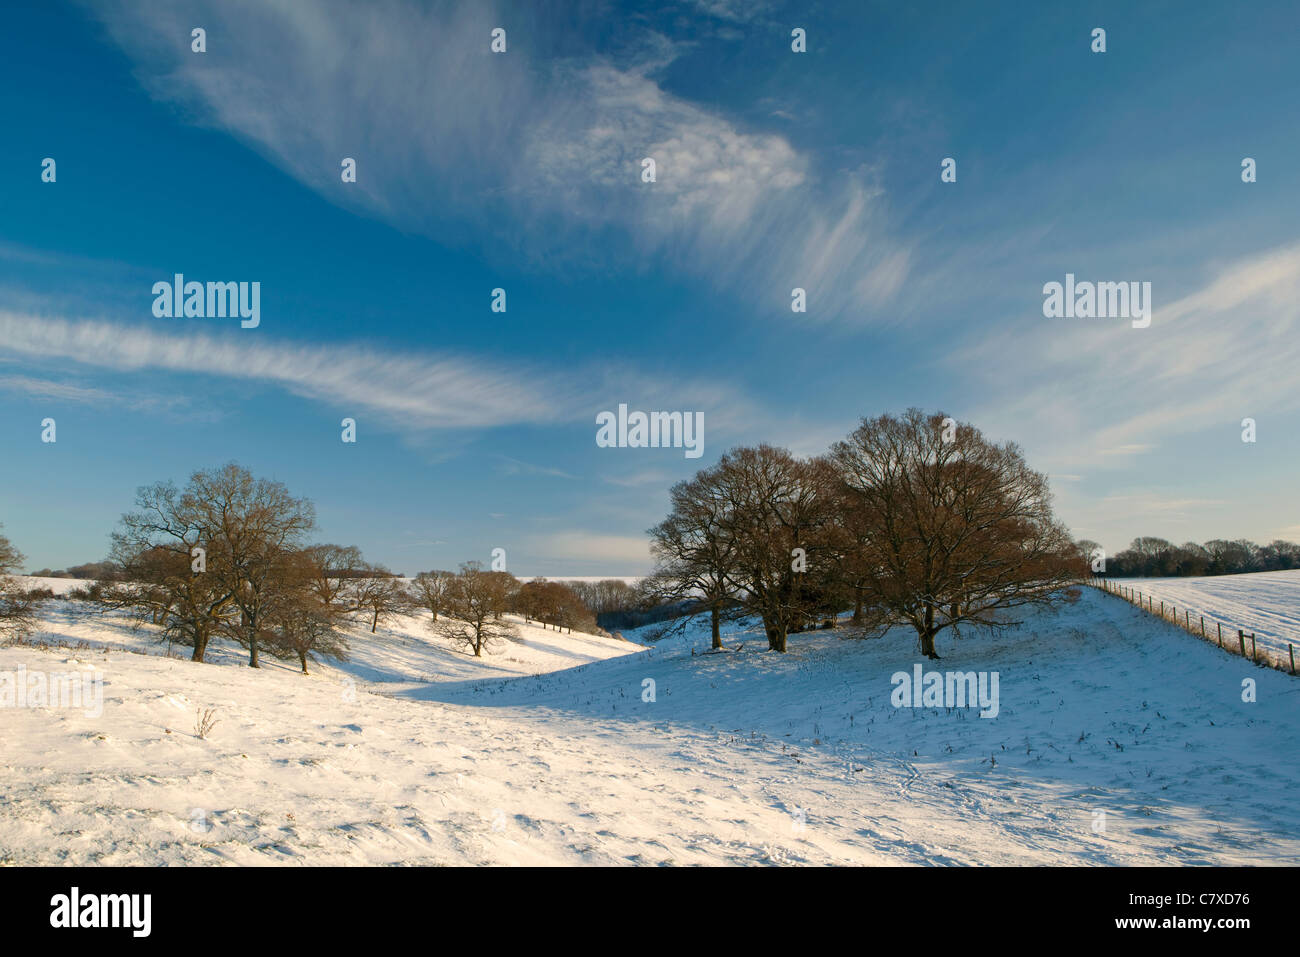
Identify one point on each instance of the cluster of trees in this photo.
(555, 603)
(606, 596)
(914, 519)
(1149, 557)
(90, 570)
(229, 556)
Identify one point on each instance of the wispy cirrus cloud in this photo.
(58, 391)
(1095, 391)
(543, 153)
(512, 466)
(408, 390)
(421, 391)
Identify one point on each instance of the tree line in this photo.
(915, 519)
(1150, 557)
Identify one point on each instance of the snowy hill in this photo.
(741, 757)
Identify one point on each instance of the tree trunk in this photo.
(776, 637)
(717, 634)
(200, 647)
(375, 624)
(302, 656)
(857, 609)
(928, 633)
(249, 624)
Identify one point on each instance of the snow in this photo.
(415, 754)
(60, 586)
(1266, 603)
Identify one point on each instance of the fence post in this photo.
(1241, 636)
(1187, 619)
(1252, 648)
(1219, 625)
(1202, 626)
(1291, 648)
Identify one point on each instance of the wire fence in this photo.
(1233, 640)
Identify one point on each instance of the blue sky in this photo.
(521, 171)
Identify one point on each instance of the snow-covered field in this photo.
(1118, 739)
(1266, 603)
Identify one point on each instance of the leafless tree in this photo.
(298, 623)
(508, 586)
(249, 524)
(957, 528)
(695, 555)
(778, 520)
(161, 560)
(474, 600)
(331, 567)
(429, 590)
(379, 593)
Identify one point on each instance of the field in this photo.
(1118, 740)
(1266, 603)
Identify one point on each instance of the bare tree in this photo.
(299, 624)
(19, 605)
(474, 600)
(379, 593)
(429, 590)
(508, 586)
(249, 524)
(331, 566)
(161, 559)
(778, 519)
(959, 529)
(694, 552)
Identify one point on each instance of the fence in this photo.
(1234, 643)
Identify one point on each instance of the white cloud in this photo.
(421, 391)
(543, 152)
(518, 467)
(68, 392)
(411, 390)
(1098, 392)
